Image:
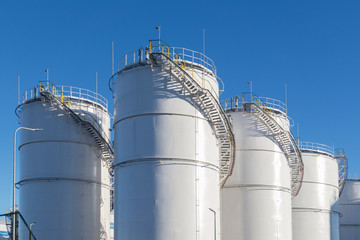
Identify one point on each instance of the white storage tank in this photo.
(316, 208)
(64, 176)
(350, 209)
(256, 199)
(167, 152)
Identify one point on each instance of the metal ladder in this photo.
(103, 145)
(286, 141)
(343, 168)
(209, 104)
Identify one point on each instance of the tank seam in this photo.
(316, 210)
(260, 150)
(275, 187)
(326, 184)
(59, 179)
(158, 114)
(121, 164)
(56, 141)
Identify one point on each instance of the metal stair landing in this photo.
(285, 140)
(208, 103)
(103, 145)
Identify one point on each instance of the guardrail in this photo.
(316, 147)
(269, 105)
(181, 56)
(265, 102)
(65, 92)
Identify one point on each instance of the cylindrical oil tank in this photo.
(167, 154)
(315, 210)
(64, 180)
(350, 209)
(256, 199)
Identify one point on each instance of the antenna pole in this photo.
(18, 89)
(158, 27)
(250, 82)
(204, 41)
(97, 82)
(298, 134)
(286, 99)
(112, 58)
(47, 77)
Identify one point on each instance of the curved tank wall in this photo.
(256, 199)
(349, 209)
(315, 209)
(166, 162)
(64, 184)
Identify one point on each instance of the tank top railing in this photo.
(187, 59)
(269, 105)
(316, 147)
(183, 54)
(66, 93)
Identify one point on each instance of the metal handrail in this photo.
(181, 62)
(89, 118)
(185, 54)
(182, 56)
(316, 147)
(269, 105)
(67, 92)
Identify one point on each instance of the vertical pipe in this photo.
(214, 222)
(13, 202)
(112, 58)
(18, 89)
(97, 83)
(286, 99)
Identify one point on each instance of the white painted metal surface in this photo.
(64, 184)
(256, 199)
(350, 209)
(167, 158)
(316, 208)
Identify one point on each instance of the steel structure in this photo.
(316, 209)
(174, 145)
(256, 199)
(64, 174)
(349, 209)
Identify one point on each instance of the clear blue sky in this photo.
(312, 46)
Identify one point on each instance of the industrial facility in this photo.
(181, 164)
